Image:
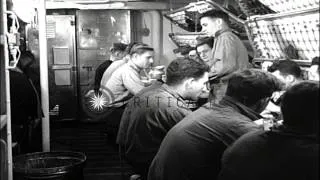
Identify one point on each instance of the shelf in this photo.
(187, 16)
(185, 39)
(303, 63)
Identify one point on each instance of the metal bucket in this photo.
(49, 166)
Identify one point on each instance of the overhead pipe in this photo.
(44, 75)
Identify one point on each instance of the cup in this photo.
(267, 124)
(156, 73)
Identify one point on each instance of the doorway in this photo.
(62, 66)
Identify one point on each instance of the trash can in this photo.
(49, 166)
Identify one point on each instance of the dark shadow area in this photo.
(103, 161)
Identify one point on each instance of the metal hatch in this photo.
(62, 65)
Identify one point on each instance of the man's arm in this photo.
(166, 117)
(225, 56)
(132, 82)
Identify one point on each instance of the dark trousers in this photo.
(113, 123)
(140, 168)
(28, 136)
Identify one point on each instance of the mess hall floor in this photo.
(103, 161)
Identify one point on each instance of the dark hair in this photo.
(300, 105)
(118, 47)
(251, 85)
(184, 50)
(26, 59)
(127, 51)
(286, 67)
(215, 14)
(205, 40)
(183, 68)
(139, 48)
(315, 61)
